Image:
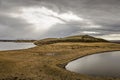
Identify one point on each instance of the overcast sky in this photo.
(38, 19)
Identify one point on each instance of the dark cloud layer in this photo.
(104, 13)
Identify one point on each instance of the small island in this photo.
(3, 40)
(47, 60)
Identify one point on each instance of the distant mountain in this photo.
(77, 38)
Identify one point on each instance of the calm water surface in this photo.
(14, 46)
(104, 64)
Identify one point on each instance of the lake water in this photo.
(14, 46)
(106, 64)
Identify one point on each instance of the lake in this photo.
(105, 64)
(14, 46)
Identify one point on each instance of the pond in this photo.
(105, 64)
(14, 46)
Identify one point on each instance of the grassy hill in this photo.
(77, 38)
(48, 62)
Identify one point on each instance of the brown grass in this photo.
(47, 62)
(78, 38)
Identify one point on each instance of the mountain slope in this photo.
(78, 38)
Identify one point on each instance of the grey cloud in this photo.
(97, 10)
(13, 28)
(61, 30)
(102, 12)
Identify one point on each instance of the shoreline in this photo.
(19, 41)
(101, 52)
(28, 61)
(26, 45)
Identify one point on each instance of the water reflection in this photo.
(14, 46)
(105, 64)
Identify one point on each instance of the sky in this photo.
(38, 19)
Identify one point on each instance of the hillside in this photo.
(77, 38)
(48, 62)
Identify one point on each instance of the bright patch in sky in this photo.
(90, 32)
(42, 18)
(90, 24)
(111, 36)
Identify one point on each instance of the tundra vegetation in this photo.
(47, 60)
